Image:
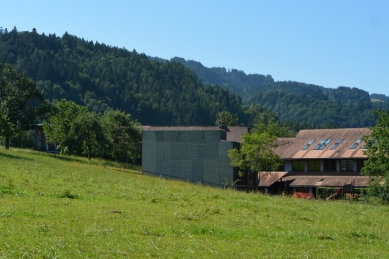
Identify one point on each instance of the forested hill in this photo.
(101, 76)
(295, 101)
(176, 92)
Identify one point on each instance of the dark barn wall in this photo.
(192, 155)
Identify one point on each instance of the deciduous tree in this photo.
(377, 151)
(123, 135)
(377, 147)
(21, 103)
(57, 128)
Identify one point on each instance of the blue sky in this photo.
(328, 43)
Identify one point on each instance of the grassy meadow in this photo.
(69, 207)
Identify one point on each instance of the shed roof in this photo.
(234, 133)
(305, 144)
(327, 181)
(268, 178)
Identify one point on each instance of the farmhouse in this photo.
(318, 158)
(314, 158)
(193, 154)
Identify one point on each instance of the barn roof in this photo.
(323, 144)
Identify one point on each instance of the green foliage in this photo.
(225, 118)
(86, 129)
(377, 147)
(300, 105)
(123, 136)
(255, 153)
(317, 111)
(21, 103)
(377, 151)
(273, 127)
(379, 187)
(103, 77)
(58, 127)
(77, 131)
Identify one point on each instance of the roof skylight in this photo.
(323, 143)
(337, 144)
(308, 145)
(353, 146)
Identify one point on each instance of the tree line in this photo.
(76, 130)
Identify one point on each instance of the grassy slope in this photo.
(113, 214)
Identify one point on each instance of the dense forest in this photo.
(175, 92)
(101, 76)
(300, 105)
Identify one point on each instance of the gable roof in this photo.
(299, 147)
(234, 133)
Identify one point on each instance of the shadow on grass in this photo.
(13, 156)
(106, 164)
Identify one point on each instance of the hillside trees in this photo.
(21, 103)
(103, 77)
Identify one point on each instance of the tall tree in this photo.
(377, 147)
(377, 151)
(87, 130)
(57, 127)
(123, 136)
(21, 103)
(256, 153)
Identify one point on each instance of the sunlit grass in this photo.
(70, 207)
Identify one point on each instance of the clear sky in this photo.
(329, 43)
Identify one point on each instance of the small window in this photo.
(314, 165)
(329, 165)
(298, 165)
(347, 165)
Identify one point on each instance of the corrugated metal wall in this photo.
(188, 155)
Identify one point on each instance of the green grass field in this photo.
(68, 207)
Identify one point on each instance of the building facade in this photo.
(193, 154)
(318, 158)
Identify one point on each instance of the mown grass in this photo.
(69, 207)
